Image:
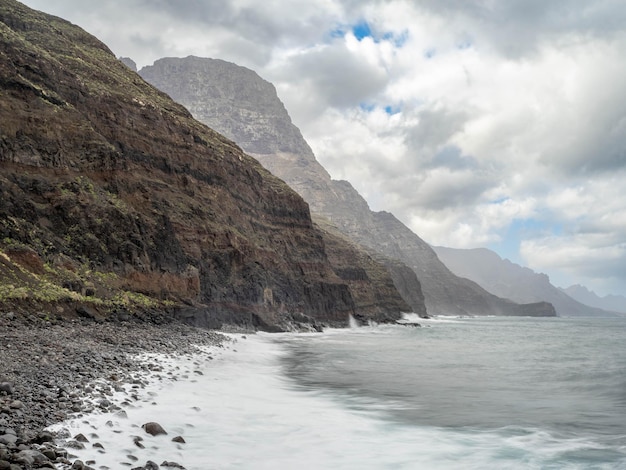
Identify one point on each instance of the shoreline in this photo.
(53, 371)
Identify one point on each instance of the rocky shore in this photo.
(55, 369)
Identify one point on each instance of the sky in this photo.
(478, 123)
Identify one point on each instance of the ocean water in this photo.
(469, 393)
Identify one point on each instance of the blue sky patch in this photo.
(362, 30)
(518, 230)
(389, 109)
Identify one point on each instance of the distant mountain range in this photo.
(616, 303)
(237, 102)
(512, 281)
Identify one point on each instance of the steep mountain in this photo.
(115, 201)
(511, 281)
(616, 303)
(246, 108)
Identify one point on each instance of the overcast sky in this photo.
(496, 123)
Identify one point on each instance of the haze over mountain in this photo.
(511, 281)
(246, 108)
(115, 201)
(616, 303)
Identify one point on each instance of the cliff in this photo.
(246, 108)
(371, 280)
(115, 201)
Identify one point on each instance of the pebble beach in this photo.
(60, 369)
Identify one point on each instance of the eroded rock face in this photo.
(370, 281)
(246, 108)
(103, 173)
(238, 103)
(229, 97)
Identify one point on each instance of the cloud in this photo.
(341, 75)
(597, 260)
(517, 28)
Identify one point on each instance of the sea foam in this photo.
(240, 411)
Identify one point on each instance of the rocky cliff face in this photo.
(372, 282)
(114, 199)
(244, 107)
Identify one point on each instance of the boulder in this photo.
(153, 428)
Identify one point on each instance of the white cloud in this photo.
(596, 260)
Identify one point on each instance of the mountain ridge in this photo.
(510, 280)
(585, 296)
(208, 87)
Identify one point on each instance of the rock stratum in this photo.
(238, 103)
(115, 201)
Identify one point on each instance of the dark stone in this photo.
(86, 312)
(74, 445)
(153, 428)
(6, 387)
(407, 323)
(150, 465)
(8, 439)
(44, 436)
(81, 438)
(50, 453)
(137, 441)
(172, 465)
(179, 439)
(31, 457)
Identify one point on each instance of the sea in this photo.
(453, 393)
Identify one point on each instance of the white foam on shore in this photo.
(153, 398)
(242, 413)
